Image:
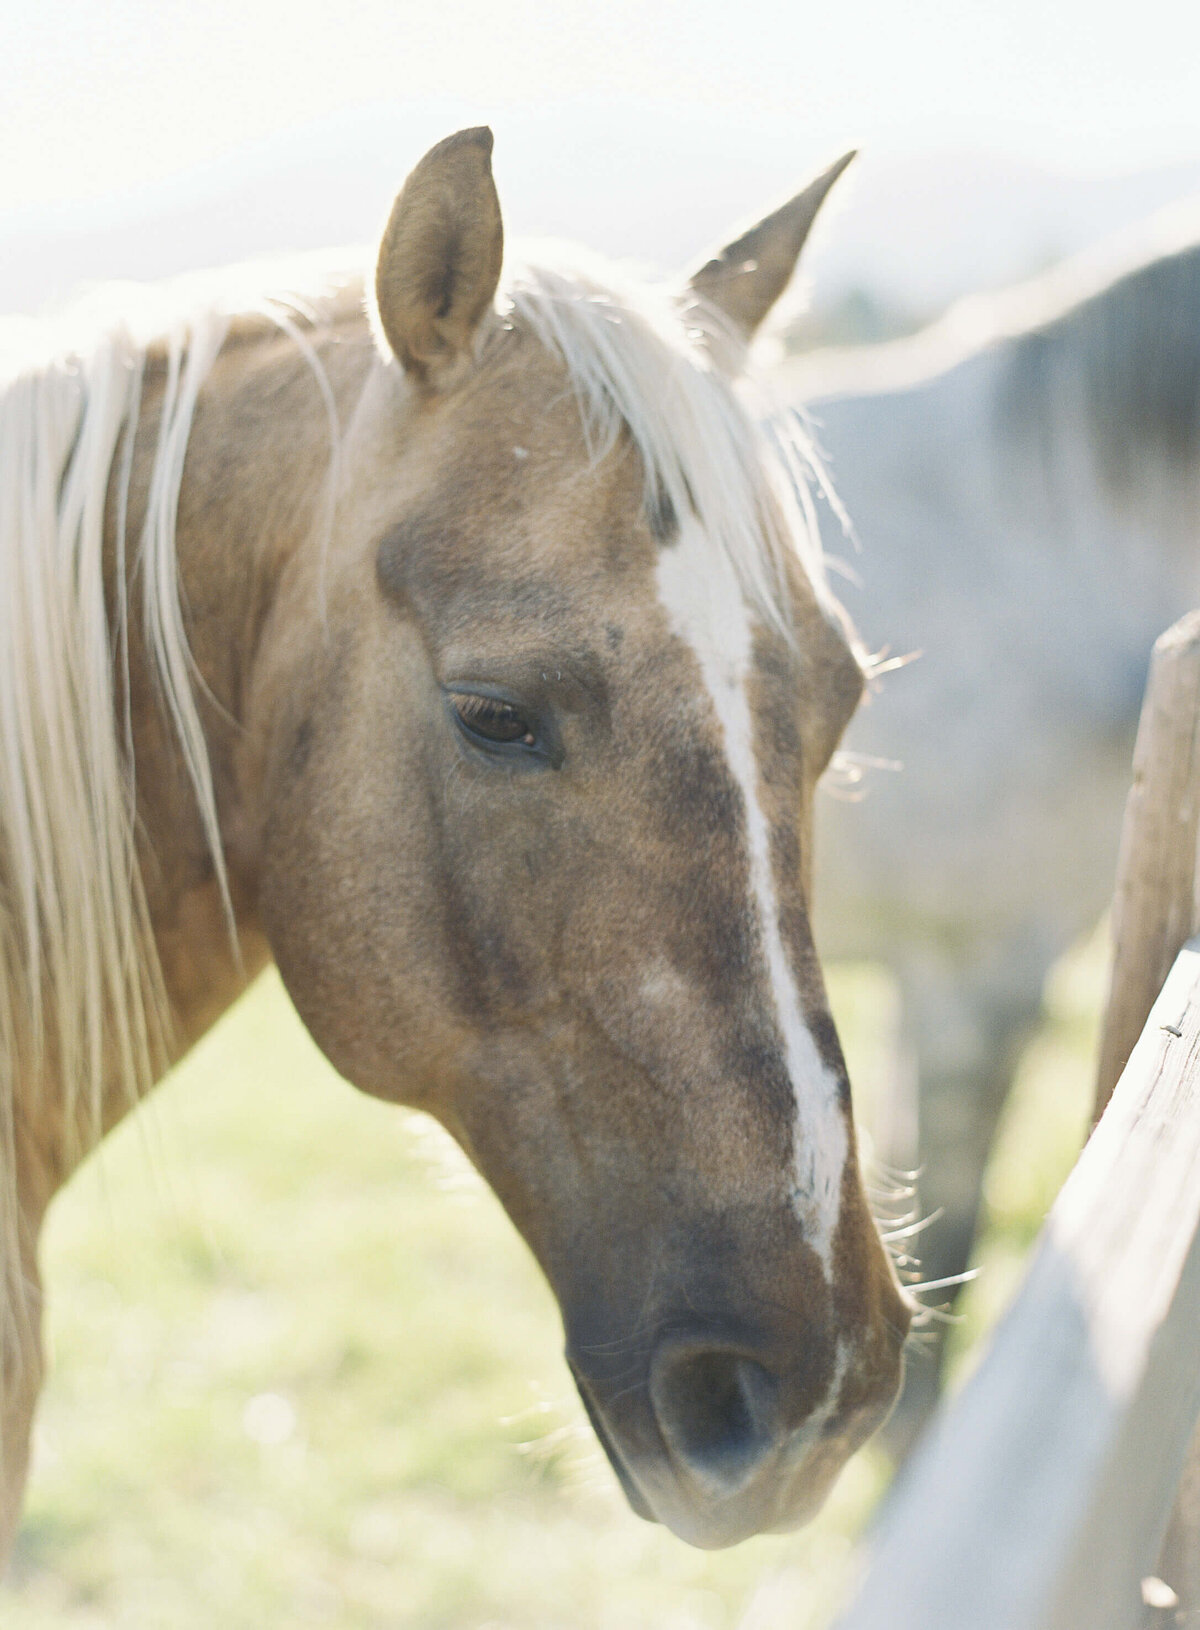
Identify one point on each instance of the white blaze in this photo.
(706, 608)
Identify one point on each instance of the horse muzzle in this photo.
(718, 1438)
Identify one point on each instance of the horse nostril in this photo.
(718, 1413)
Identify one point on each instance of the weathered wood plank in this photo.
(1040, 1500)
(1156, 904)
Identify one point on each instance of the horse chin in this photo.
(708, 1525)
(720, 1523)
(637, 1502)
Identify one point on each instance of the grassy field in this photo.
(305, 1374)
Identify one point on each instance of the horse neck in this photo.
(255, 493)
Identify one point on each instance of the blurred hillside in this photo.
(905, 236)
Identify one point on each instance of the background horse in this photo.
(1024, 478)
(479, 670)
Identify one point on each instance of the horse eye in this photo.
(488, 719)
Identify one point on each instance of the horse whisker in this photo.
(963, 1278)
(912, 1228)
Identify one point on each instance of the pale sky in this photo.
(105, 96)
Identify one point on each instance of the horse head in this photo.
(532, 737)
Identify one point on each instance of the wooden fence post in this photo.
(1156, 903)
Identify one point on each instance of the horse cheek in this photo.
(348, 896)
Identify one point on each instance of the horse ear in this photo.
(439, 261)
(744, 281)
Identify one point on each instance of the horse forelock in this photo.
(639, 360)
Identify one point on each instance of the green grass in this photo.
(305, 1373)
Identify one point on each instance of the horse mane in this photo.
(83, 1006)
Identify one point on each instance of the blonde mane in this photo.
(80, 987)
(83, 1008)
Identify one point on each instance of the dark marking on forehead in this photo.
(614, 635)
(661, 517)
(662, 514)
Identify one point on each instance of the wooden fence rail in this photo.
(1040, 1500)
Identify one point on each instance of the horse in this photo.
(1023, 479)
(462, 648)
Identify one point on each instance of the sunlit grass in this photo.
(305, 1373)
